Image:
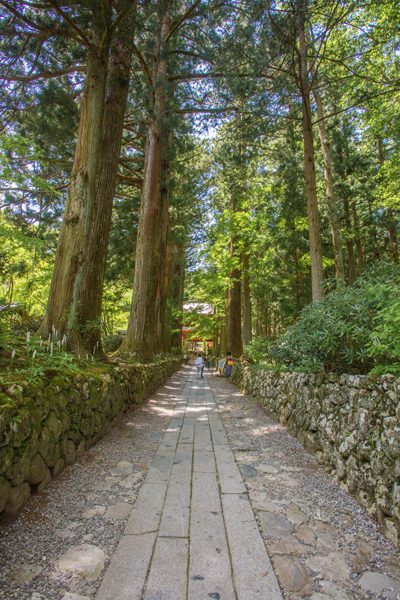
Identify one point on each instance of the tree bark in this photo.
(75, 298)
(351, 261)
(224, 342)
(357, 238)
(246, 308)
(233, 314)
(164, 260)
(309, 166)
(267, 320)
(334, 218)
(144, 335)
(177, 281)
(390, 219)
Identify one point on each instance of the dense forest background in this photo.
(243, 154)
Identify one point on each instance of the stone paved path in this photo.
(196, 494)
(192, 532)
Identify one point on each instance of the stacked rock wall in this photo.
(49, 424)
(351, 423)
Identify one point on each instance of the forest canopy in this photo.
(242, 154)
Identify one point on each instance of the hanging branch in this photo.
(179, 22)
(143, 64)
(81, 36)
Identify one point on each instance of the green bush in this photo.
(258, 351)
(352, 330)
(112, 342)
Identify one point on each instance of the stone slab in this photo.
(168, 572)
(252, 568)
(210, 574)
(176, 422)
(218, 432)
(160, 468)
(204, 462)
(183, 458)
(187, 431)
(146, 513)
(85, 560)
(202, 436)
(176, 511)
(230, 479)
(169, 441)
(205, 495)
(126, 574)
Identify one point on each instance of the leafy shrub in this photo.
(384, 342)
(351, 330)
(258, 351)
(112, 342)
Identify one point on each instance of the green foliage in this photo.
(19, 160)
(258, 351)
(24, 267)
(351, 330)
(112, 342)
(245, 183)
(384, 339)
(27, 358)
(392, 369)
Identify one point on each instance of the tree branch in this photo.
(216, 75)
(71, 23)
(143, 64)
(136, 181)
(360, 101)
(175, 26)
(44, 75)
(182, 111)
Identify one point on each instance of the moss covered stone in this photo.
(5, 488)
(37, 470)
(17, 496)
(45, 426)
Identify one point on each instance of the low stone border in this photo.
(350, 422)
(49, 424)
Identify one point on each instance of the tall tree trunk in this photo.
(165, 257)
(258, 329)
(390, 219)
(309, 166)
(299, 279)
(267, 320)
(144, 332)
(234, 305)
(233, 313)
(74, 304)
(392, 230)
(223, 343)
(357, 238)
(177, 281)
(351, 261)
(246, 307)
(334, 218)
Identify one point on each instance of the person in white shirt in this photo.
(200, 365)
(221, 365)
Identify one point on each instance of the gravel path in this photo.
(323, 545)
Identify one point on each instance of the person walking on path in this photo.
(228, 364)
(200, 365)
(221, 366)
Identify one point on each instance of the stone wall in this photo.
(46, 425)
(351, 423)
